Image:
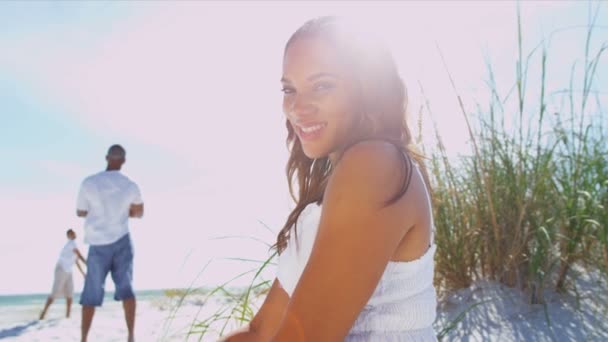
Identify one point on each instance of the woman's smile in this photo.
(310, 131)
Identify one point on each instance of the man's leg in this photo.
(122, 275)
(98, 264)
(58, 284)
(69, 294)
(129, 307)
(68, 306)
(87, 317)
(49, 301)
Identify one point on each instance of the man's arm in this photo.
(80, 258)
(79, 255)
(80, 269)
(136, 210)
(81, 202)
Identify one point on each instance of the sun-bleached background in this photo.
(191, 90)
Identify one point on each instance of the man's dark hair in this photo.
(116, 152)
(69, 231)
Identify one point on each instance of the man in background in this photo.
(63, 283)
(107, 200)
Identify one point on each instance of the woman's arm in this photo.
(356, 238)
(266, 321)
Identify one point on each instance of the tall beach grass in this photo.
(530, 201)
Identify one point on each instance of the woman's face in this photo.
(319, 97)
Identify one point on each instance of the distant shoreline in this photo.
(45, 294)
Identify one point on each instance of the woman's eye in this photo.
(287, 90)
(321, 86)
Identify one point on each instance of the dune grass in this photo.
(530, 201)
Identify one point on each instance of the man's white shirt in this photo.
(107, 197)
(67, 257)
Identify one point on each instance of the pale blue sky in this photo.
(191, 90)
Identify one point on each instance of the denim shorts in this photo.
(117, 258)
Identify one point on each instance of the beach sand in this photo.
(108, 324)
(157, 319)
(490, 311)
(486, 311)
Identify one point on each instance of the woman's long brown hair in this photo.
(382, 116)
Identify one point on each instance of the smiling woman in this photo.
(356, 253)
